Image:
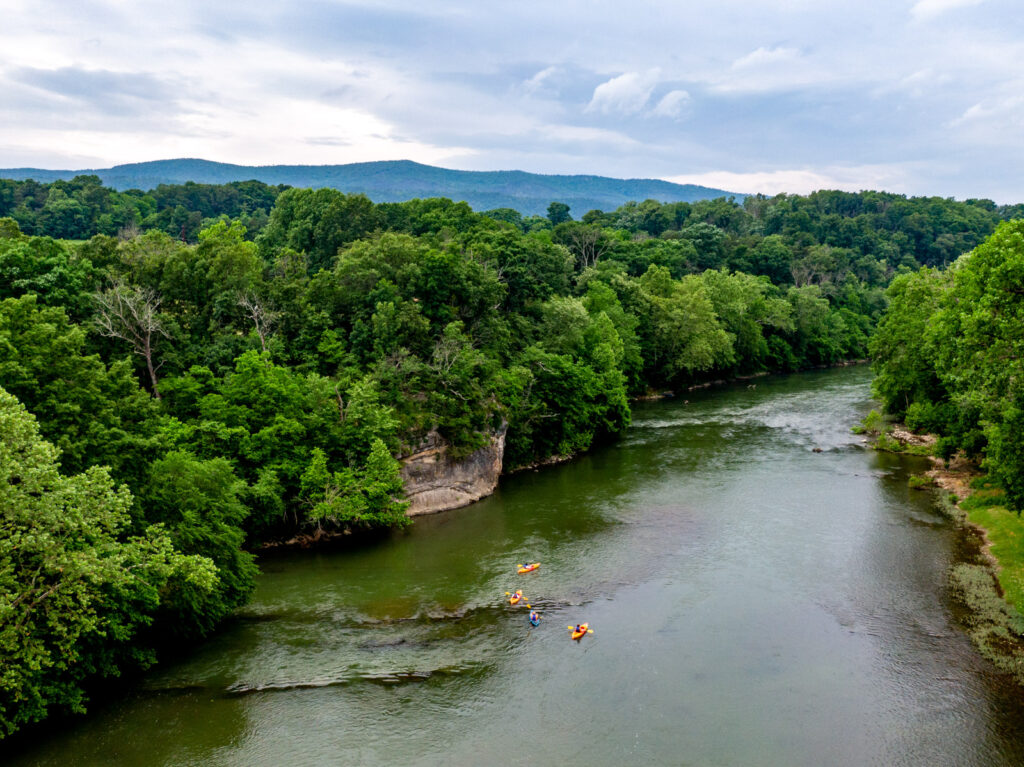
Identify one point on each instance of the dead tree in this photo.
(132, 315)
(261, 317)
(588, 244)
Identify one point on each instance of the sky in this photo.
(920, 97)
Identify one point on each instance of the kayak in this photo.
(514, 599)
(527, 568)
(535, 621)
(578, 634)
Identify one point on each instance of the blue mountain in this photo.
(396, 181)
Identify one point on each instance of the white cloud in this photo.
(773, 69)
(672, 104)
(1004, 110)
(926, 9)
(539, 82)
(626, 94)
(801, 180)
(765, 57)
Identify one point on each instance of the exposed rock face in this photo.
(435, 482)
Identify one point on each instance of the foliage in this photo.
(295, 341)
(199, 504)
(74, 590)
(366, 495)
(949, 356)
(94, 413)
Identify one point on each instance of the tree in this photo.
(681, 333)
(262, 318)
(96, 414)
(980, 349)
(558, 212)
(366, 496)
(198, 503)
(902, 348)
(131, 314)
(74, 590)
(587, 243)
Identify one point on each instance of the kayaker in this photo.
(534, 617)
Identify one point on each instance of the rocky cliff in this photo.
(434, 481)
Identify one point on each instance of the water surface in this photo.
(754, 602)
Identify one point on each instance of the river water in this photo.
(754, 602)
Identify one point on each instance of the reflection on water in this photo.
(763, 591)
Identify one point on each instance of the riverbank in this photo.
(987, 578)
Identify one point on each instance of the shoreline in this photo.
(990, 619)
(317, 539)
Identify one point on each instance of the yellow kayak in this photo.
(527, 568)
(579, 634)
(514, 599)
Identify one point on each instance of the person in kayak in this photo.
(534, 617)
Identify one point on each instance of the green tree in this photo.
(199, 504)
(74, 590)
(94, 413)
(980, 348)
(681, 333)
(903, 348)
(558, 212)
(369, 496)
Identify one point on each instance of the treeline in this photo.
(82, 207)
(893, 229)
(949, 356)
(170, 405)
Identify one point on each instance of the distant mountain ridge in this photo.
(399, 180)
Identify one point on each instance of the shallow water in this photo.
(753, 603)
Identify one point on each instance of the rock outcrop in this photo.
(434, 481)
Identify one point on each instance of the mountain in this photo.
(395, 181)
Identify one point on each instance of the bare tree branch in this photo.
(261, 316)
(131, 314)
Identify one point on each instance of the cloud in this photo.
(626, 94)
(672, 104)
(765, 57)
(800, 180)
(115, 93)
(785, 88)
(926, 9)
(539, 83)
(994, 123)
(764, 70)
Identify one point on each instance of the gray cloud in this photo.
(919, 94)
(117, 94)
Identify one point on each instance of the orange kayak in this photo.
(579, 634)
(527, 568)
(514, 599)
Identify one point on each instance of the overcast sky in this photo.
(912, 96)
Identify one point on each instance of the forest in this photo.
(948, 357)
(190, 373)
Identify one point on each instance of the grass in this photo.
(919, 481)
(1005, 532)
(991, 591)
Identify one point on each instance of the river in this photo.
(754, 602)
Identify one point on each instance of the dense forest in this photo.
(948, 355)
(188, 373)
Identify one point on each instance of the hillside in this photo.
(395, 181)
